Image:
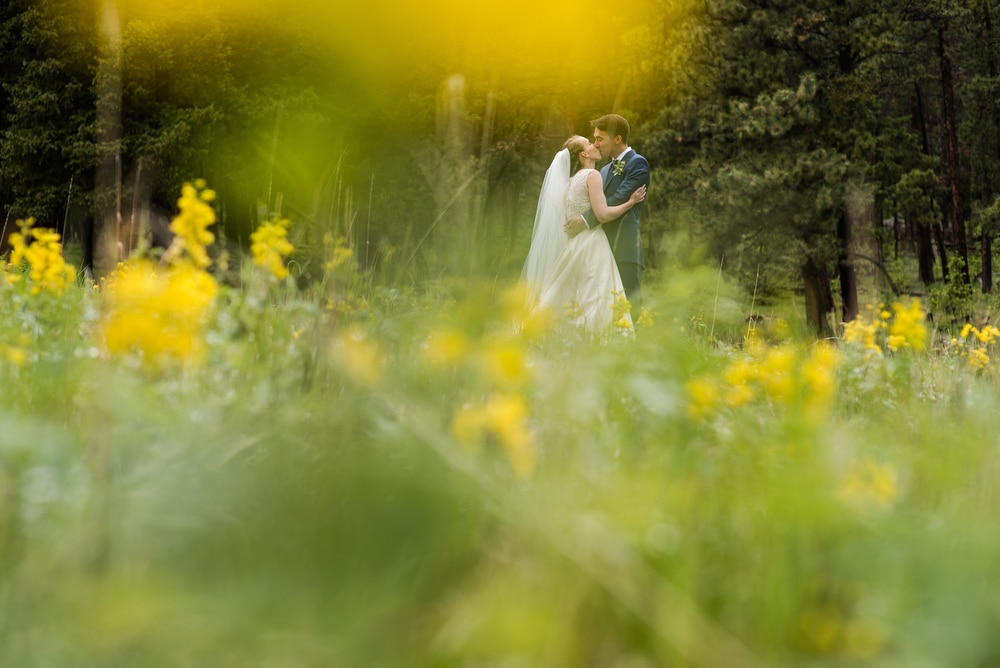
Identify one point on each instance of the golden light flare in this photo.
(518, 42)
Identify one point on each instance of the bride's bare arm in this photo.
(603, 212)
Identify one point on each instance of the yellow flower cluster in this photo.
(269, 245)
(779, 376)
(622, 309)
(866, 331)
(161, 312)
(573, 310)
(191, 225)
(502, 362)
(340, 254)
(530, 323)
(907, 328)
(16, 355)
(986, 336)
(903, 327)
(446, 347)
(500, 367)
(40, 248)
(972, 343)
(347, 305)
(158, 314)
(868, 483)
(503, 418)
(703, 397)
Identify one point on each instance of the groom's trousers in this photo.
(632, 282)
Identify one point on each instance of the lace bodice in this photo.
(577, 196)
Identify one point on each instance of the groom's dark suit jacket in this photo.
(623, 232)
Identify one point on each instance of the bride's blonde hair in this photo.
(576, 145)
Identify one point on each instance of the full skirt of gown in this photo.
(584, 284)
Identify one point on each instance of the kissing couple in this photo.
(586, 252)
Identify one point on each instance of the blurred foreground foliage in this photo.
(311, 492)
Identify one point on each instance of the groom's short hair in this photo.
(614, 125)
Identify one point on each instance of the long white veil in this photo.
(547, 237)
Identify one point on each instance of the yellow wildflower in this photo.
(738, 395)
(514, 302)
(819, 374)
(537, 323)
(737, 376)
(895, 342)
(621, 307)
(446, 347)
(269, 245)
(15, 355)
(703, 397)
(859, 331)
(776, 374)
(978, 359)
(740, 372)
(988, 335)
(869, 483)
(190, 226)
(504, 363)
(40, 248)
(159, 315)
(503, 417)
(342, 253)
(507, 418)
(908, 329)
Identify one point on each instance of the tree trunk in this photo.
(895, 234)
(950, 131)
(107, 200)
(878, 245)
(942, 249)
(925, 254)
(819, 299)
(991, 61)
(923, 232)
(987, 256)
(848, 277)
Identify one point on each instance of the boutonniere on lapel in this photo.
(618, 167)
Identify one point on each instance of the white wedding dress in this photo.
(582, 282)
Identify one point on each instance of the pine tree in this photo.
(46, 132)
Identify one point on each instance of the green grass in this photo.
(301, 498)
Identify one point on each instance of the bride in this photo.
(577, 276)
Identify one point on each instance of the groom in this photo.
(622, 176)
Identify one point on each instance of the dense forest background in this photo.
(835, 147)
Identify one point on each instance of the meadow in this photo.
(257, 472)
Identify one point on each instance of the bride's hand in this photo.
(637, 196)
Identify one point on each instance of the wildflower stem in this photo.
(753, 301)
(715, 305)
